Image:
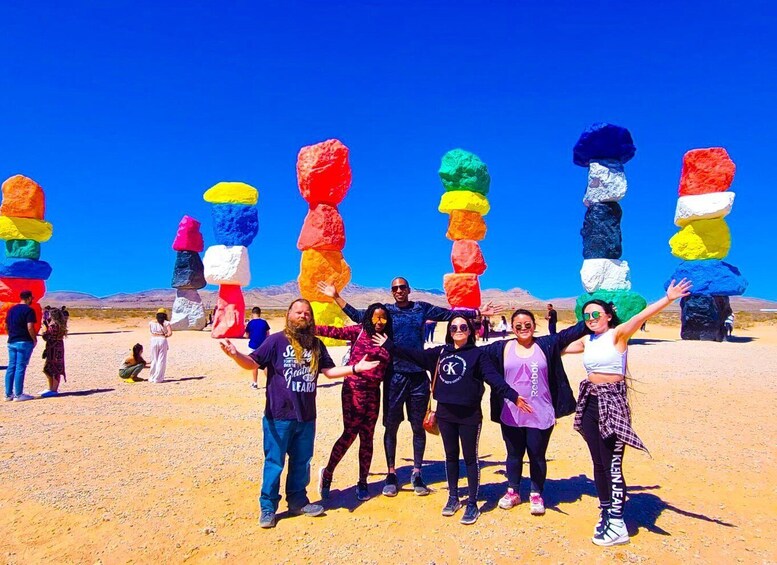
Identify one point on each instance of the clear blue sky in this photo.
(126, 112)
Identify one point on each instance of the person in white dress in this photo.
(160, 331)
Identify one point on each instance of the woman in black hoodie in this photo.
(460, 368)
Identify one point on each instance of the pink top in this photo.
(529, 377)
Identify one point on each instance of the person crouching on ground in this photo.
(293, 359)
(133, 365)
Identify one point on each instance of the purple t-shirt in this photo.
(291, 389)
(529, 377)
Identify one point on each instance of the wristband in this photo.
(353, 370)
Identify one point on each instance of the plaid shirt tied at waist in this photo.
(614, 412)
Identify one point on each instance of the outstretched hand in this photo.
(488, 310)
(327, 289)
(228, 347)
(679, 290)
(365, 365)
(379, 339)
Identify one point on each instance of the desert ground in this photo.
(111, 472)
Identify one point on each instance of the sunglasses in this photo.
(379, 319)
(526, 326)
(596, 314)
(397, 287)
(460, 328)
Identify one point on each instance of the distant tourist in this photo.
(429, 328)
(257, 331)
(729, 325)
(293, 359)
(552, 318)
(46, 317)
(133, 365)
(486, 328)
(22, 339)
(65, 313)
(602, 415)
(501, 327)
(54, 352)
(160, 331)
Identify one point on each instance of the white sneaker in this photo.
(509, 500)
(536, 504)
(22, 397)
(613, 533)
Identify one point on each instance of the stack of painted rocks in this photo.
(703, 240)
(235, 225)
(23, 228)
(466, 181)
(188, 277)
(324, 177)
(604, 149)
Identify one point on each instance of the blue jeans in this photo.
(19, 353)
(282, 437)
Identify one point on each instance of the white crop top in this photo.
(600, 355)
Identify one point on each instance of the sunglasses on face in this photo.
(379, 319)
(526, 326)
(461, 328)
(397, 287)
(596, 314)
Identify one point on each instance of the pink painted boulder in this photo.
(323, 229)
(467, 257)
(229, 318)
(188, 236)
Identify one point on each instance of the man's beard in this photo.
(301, 331)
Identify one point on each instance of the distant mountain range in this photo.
(279, 296)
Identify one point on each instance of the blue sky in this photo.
(126, 112)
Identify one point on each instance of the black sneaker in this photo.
(471, 514)
(324, 484)
(419, 487)
(361, 491)
(310, 510)
(391, 488)
(452, 506)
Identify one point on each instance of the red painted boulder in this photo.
(462, 290)
(323, 172)
(323, 229)
(188, 236)
(11, 288)
(229, 318)
(467, 257)
(705, 171)
(5, 306)
(23, 198)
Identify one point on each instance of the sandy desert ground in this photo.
(111, 472)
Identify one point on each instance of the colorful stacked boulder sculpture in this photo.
(235, 225)
(23, 228)
(604, 149)
(703, 240)
(467, 182)
(188, 277)
(324, 177)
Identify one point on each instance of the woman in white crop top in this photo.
(160, 330)
(602, 415)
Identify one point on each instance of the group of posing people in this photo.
(529, 391)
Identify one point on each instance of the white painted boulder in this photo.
(227, 264)
(606, 182)
(605, 274)
(703, 207)
(188, 311)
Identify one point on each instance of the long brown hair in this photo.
(302, 340)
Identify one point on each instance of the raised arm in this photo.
(438, 314)
(624, 331)
(241, 359)
(572, 334)
(426, 358)
(347, 333)
(360, 367)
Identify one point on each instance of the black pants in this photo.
(520, 440)
(607, 456)
(402, 390)
(468, 434)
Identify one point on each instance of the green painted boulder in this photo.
(22, 249)
(462, 170)
(627, 303)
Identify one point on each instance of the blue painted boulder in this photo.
(601, 231)
(603, 141)
(25, 269)
(235, 224)
(189, 272)
(712, 277)
(703, 317)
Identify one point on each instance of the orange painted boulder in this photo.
(23, 198)
(229, 318)
(705, 171)
(327, 266)
(323, 172)
(463, 224)
(5, 306)
(467, 257)
(462, 290)
(11, 288)
(323, 229)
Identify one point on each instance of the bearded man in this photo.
(293, 359)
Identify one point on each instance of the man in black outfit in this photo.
(552, 318)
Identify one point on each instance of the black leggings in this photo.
(520, 440)
(405, 391)
(607, 455)
(469, 435)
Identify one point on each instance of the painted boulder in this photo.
(323, 172)
(22, 249)
(23, 198)
(5, 306)
(703, 317)
(601, 231)
(702, 239)
(606, 183)
(188, 237)
(605, 274)
(467, 257)
(189, 272)
(462, 290)
(227, 265)
(462, 170)
(323, 229)
(463, 224)
(711, 277)
(603, 142)
(329, 314)
(25, 269)
(703, 207)
(705, 171)
(326, 266)
(10, 289)
(235, 224)
(232, 193)
(464, 200)
(188, 311)
(25, 228)
(626, 302)
(229, 317)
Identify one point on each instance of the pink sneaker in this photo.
(536, 504)
(509, 500)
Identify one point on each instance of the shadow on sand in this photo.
(740, 339)
(101, 333)
(89, 392)
(647, 341)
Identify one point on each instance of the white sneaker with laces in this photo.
(509, 500)
(613, 533)
(536, 504)
(22, 397)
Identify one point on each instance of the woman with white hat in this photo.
(160, 331)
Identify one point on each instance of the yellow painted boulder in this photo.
(25, 228)
(232, 193)
(464, 200)
(326, 266)
(702, 239)
(329, 314)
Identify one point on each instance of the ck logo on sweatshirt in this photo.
(452, 368)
